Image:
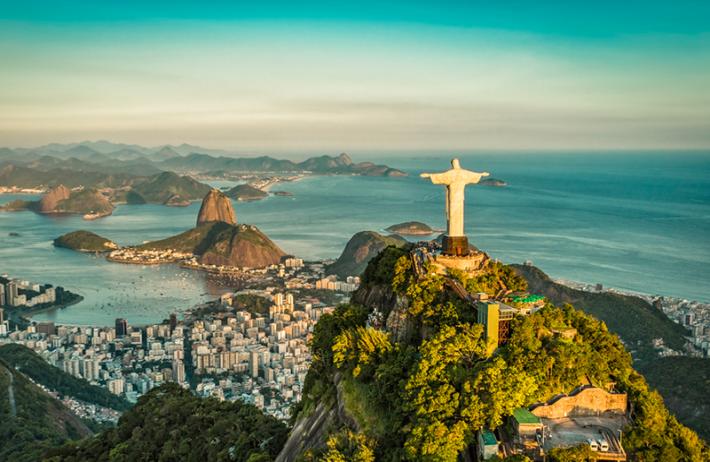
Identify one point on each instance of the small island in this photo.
(282, 193)
(246, 192)
(411, 228)
(177, 201)
(492, 182)
(85, 241)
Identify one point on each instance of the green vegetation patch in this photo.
(436, 387)
(85, 241)
(633, 319)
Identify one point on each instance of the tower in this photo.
(121, 327)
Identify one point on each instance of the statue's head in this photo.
(455, 163)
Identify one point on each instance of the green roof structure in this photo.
(523, 416)
(528, 299)
(489, 439)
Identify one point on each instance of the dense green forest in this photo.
(633, 318)
(32, 365)
(171, 424)
(424, 397)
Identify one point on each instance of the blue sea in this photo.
(635, 221)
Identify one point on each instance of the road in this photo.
(11, 395)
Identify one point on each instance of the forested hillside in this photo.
(421, 391)
(171, 424)
(31, 421)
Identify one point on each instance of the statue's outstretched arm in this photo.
(475, 177)
(436, 178)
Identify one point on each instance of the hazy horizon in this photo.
(359, 155)
(319, 78)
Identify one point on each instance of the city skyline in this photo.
(415, 76)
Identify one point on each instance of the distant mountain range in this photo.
(128, 159)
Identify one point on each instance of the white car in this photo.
(603, 445)
(593, 444)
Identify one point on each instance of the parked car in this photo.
(603, 445)
(593, 444)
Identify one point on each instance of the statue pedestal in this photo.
(455, 246)
(472, 264)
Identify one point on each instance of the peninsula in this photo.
(216, 243)
(246, 192)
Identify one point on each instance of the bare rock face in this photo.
(216, 207)
(48, 203)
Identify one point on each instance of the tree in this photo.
(359, 349)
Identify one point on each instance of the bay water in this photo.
(637, 221)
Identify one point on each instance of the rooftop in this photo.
(489, 439)
(523, 416)
(528, 299)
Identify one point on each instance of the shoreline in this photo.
(33, 311)
(647, 297)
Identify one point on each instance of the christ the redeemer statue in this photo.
(455, 180)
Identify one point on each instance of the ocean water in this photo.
(634, 221)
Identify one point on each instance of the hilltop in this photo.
(216, 206)
(404, 372)
(163, 187)
(359, 250)
(85, 201)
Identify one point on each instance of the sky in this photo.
(325, 77)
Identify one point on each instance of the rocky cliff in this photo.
(216, 207)
(311, 429)
(49, 201)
